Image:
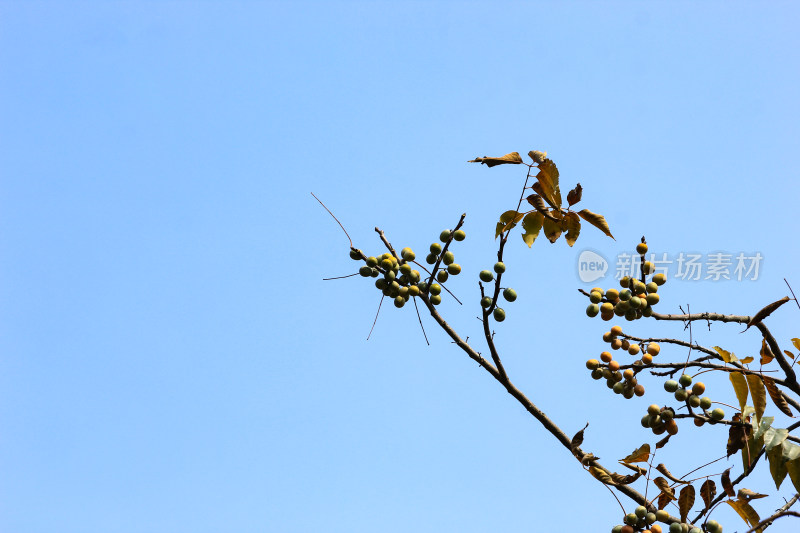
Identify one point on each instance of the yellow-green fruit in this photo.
(404, 293)
(624, 282)
(459, 235)
(414, 276)
(413, 290)
(499, 314)
(660, 278)
(387, 264)
(509, 294)
(717, 414)
(647, 268)
(436, 299)
(399, 302)
(499, 267)
(372, 261)
(365, 271)
(407, 254)
(454, 269)
(486, 276)
(486, 302)
(662, 515)
(641, 248)
(647, 311)
(355, 254)
(436, 288)
(442, 276)
(607, 308)
(651, 287)
(705, 402)
(436, 248)
(431, 258)
(445, 235)
(612, 294)
(652, 298)
(593, 310)
(625, 295)
(595, 297)
(405, 269)
(448, 257)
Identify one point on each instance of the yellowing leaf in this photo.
(747, 494)
(598, 221)
(513, 158)
(640, 454)
(601, 475)
(573, 227)
(538, 203)
(744, 510)
(766, 354)
(510, 216)
(663, 469)
(552, 229)
(793, 467)
(537, 156)
(740, 387)
(726, 355)
(747, 359)
(758, 393)
(548, 178)
(789, 354)
(796, 343)
(532, 223)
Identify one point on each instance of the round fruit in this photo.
(681, 395)
(698, 388)
(593, 310)
(645, 421)
(647, 311)
(597, 373)
(640, 511)
(654, 409)
(651, 287)
(616, 344)
(631, 519)
(641, 248)
(616, 529)
(436, 288)
(595, 297)
(381, 283)
(705, 402)
(628, 374)
(635, 302)
(355, 254)
(499, 267)
(638, 390)
(499, 314)
(390, 275)
(672, 427)
(613, 365)
(399, 302)
(442, 276)
(454, 269)
(625, 295)
(653, 348)
(612, 294)
(695, 530)
(624, 282)
(633, 349)
(605, 357)
(660, 278)
(647, 358)
(662, 515)
(486, 302)
(717, 414)
(413, 290)
(365, 271)
(618, 387)
(627, 529)
(713, 526)
(486, 276)
(459, 235)
(647, 268)
(616, 330)
(407, 254)
(607, 307)
(625, 344)
(685, 380)
(656, 528)
(448, 257)
(431, 258)
(436, 299)
(675, 527)
(405, 269)
(591, 364)
(652, 298)
(509, 294)
(445, 235)
(650, 518)
(607, 336)
(436, 248)
(671, 385)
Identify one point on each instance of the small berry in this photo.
(486, 276)
(499, 314)
(445, 235)
(499, 267)
(436, 248)
(486, 302)
(454, 269)
(593, 310)
(685, 380)
(459, 235)
(509, 294)
(641, 248)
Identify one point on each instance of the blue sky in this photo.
(170, 358)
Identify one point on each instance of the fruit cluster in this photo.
(623, 383)
(509, 294)
(398, 280)
(634, 300)
(644, 521)
(691, 397)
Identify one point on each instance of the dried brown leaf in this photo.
(663, 469)
(777, 396)
(747, 494)
(513, 158)
(577, 440)
(574, 196)
(766, 311)
(598, 221)
(766, 354)
(686, 501)
(640, 454)
(708, 490)
(726, 483)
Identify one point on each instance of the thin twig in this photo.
(376, 317)
(420, 322)
(340, 277)
(334, 218)
(793, 296)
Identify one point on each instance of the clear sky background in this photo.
(170, 358)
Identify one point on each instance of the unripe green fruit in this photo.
(660, 278)
(431, 258)
(595, 297)
(693, 400)
(681, 395)
(717, 414)
(662, 515)
(399, 302)
(387, 264)
(597, 373)
(415, 276)
(617, 388)
(408, 254)
(375, 273)
(650, 518)
(630, 314)
(639, 287)
(635, 302)
(499, 314)
(610, 383)
(509, 294)
(390, 275)
(413, 290)
(486, 302)
(436, 288)
(685, 380)
(448, 257)
(631, 519)
(655, 421)
(641, 248)
(436, 248)
(442, 276)
(459, 235)
(695, 530)
(499, 267)
(454, 269)
(625, 295)
(445, 235)
(423, 286)
(405, 269)
(624, 282)
(436, 299)
(381, 283)
(619, 310)
(404, 293)
(647, 311)
(365, 271)
(705, 402)
(355, 254)
(651, 288)
(616, 529)
(641, 511)
(645, 421)
(593, 310)
(372, 261)
(712, 526)
(675, 527)
(486, 276)
(667, 415)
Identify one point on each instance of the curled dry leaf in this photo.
(764, 313)
(725, 479)
(577, 440)
(574, 196)
(777, 396)
(663, 469)
(513, 158)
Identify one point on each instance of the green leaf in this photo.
(766, 422)
(573, 223)
(513, 158)
(777, 465)
(532, 223)
(793, 467)
(740, 387)
(775, 437)
(548, 178)
(791, 451)
(758, 393)
(552, 229)
(750, 452)
(598, 221)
